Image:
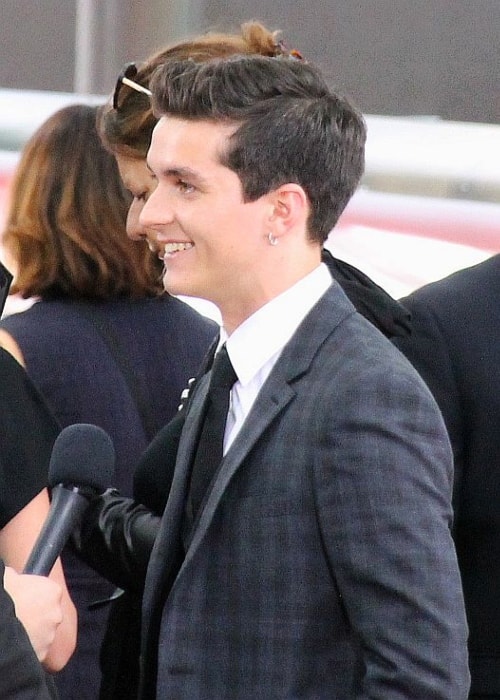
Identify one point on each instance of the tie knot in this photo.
(223, 374)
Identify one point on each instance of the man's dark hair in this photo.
(292, 127)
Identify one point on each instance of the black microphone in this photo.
(81, 466)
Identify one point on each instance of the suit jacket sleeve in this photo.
(21, 675)
(385, 514)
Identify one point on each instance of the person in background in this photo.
(31, 612)
(454, 344)
(317, 558)
(103, 343)
(27, 434)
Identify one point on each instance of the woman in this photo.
(103, 343)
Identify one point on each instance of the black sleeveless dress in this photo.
(27, 434)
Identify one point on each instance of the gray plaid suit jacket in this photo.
(322, 564)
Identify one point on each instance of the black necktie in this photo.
(210, 444)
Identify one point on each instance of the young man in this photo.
(319, 562)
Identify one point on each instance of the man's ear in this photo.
(289, 209)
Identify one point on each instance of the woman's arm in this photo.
(20, 672)
(117, 533)
(38, 606)
(116, 538)
(17, 539)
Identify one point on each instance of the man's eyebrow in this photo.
(180, 172)
(187, 173)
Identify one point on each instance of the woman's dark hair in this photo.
(127, 129)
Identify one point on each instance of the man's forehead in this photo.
(192, 141)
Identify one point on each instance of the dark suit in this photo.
(21, 675)
(322, 565)
(456, 347)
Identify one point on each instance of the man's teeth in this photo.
(175, 247)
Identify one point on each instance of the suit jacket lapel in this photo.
(164, 562)
(168, 535)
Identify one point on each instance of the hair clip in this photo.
(295, 53)
(283, 52)
(126, 77)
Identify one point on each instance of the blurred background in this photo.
(425, 73)
(430, 57)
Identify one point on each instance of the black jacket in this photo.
(455, 345)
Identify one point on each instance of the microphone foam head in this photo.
(83, 455)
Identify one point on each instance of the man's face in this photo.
(213, 241)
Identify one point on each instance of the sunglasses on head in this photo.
(5, 282)
(126, 77)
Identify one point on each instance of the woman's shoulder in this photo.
(169, 316)
(39, 311)
(46, 322)
(175, 307)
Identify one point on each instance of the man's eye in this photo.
(142, 197)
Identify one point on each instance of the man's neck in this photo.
(259, 291)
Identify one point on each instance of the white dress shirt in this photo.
(255, 346)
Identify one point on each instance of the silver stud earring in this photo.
(272, 240)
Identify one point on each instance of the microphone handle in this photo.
(66, 510)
